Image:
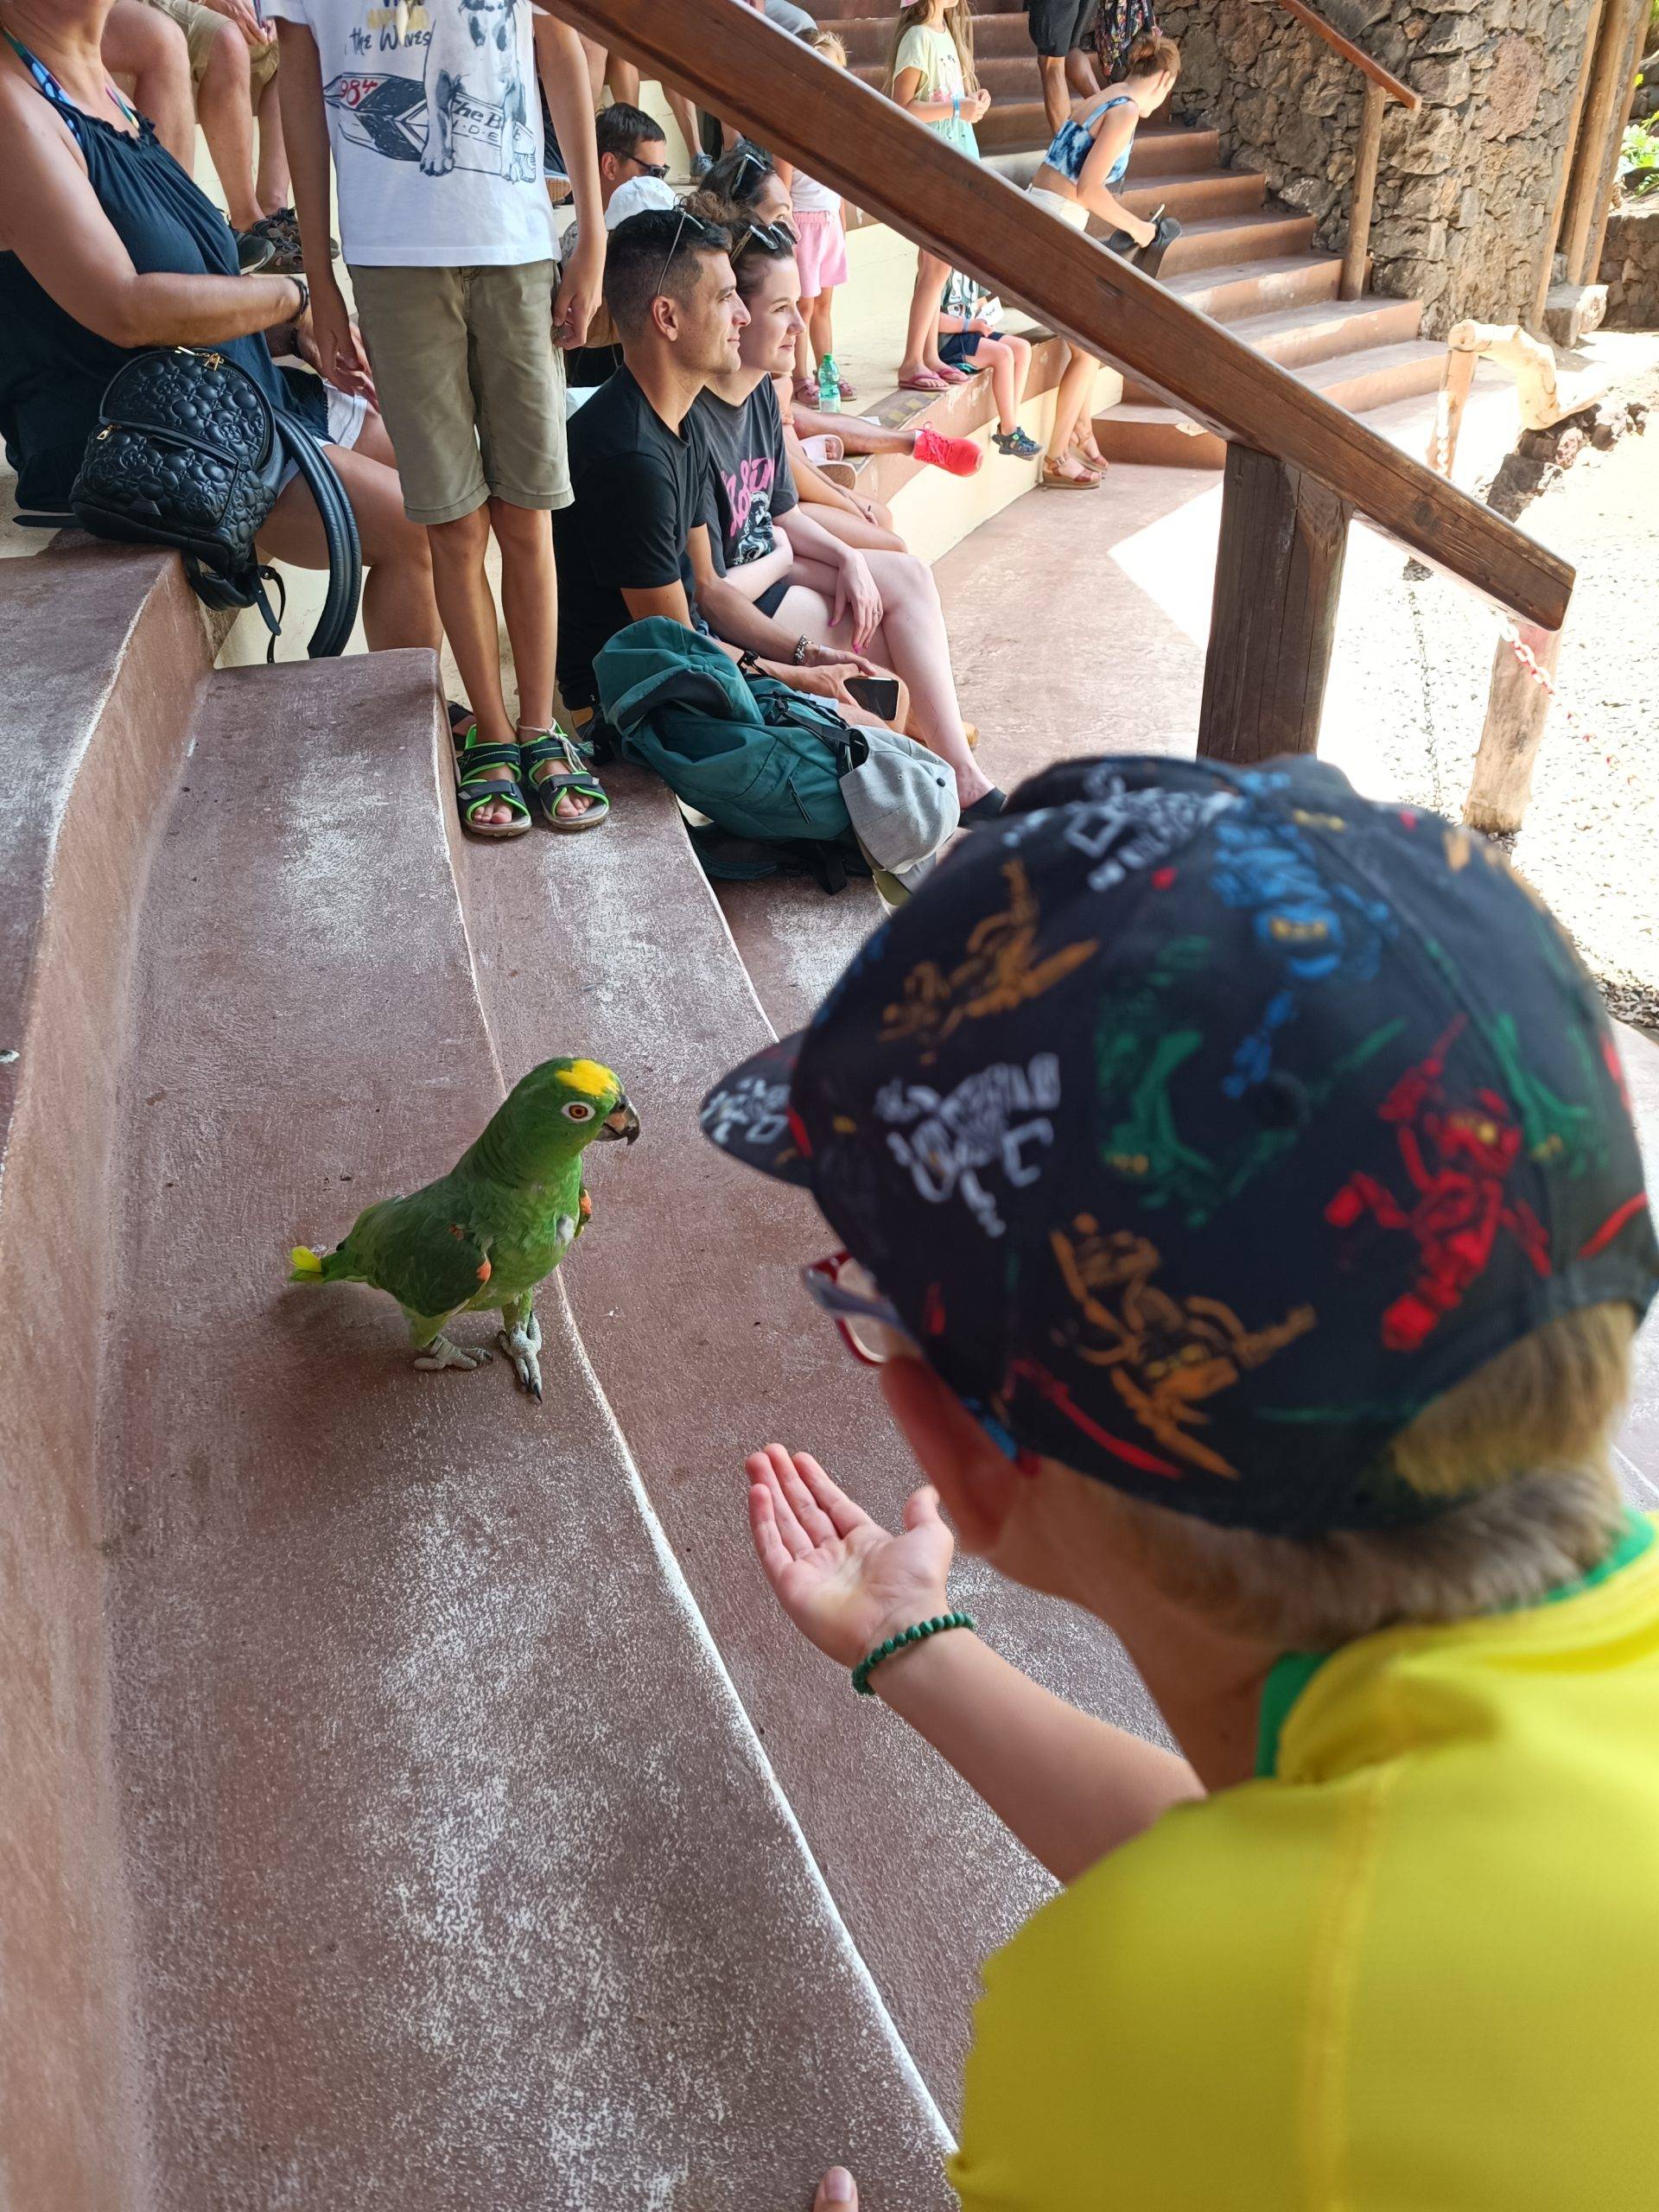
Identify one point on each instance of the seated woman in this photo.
(768, 546)
(1088, 156)
(107, 248)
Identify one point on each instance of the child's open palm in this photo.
(845, 1582)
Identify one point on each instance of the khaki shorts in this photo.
(470, 384)
(201, 26)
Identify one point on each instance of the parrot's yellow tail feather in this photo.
(308, 1264)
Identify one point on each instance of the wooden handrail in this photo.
(1381, 77)
(739, 66)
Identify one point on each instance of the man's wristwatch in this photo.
(802, 645)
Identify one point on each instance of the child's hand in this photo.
(979, 102)
(576, 302)
(341, 359)
(846, 1582)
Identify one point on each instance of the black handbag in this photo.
(190, 453)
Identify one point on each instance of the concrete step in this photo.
(411, 1856)
(1296, 337)
(689, 1307)
(1215, 241)
(1194, 196)
(1229, 289)
(1145, 432)
(102, 651)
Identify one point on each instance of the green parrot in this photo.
(489, 1232)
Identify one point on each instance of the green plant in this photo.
(1639, 159)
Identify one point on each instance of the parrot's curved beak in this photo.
(622, 1122)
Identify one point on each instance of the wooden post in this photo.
(1517, 708)
(1593, 154)
(1357, 252)
(1278, 577)
(1569, 151)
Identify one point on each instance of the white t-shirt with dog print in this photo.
(434, 117)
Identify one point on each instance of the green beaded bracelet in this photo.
(920, 1634)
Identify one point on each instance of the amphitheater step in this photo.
(1229, 289)
(1371, 377)
(1300, 337)
(689, 1302)
(438, 1900)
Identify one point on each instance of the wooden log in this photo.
(733, 61)
(1448, 419)
(1611, 159)
(1278, 577)
(1517, 708)
(1357, 252)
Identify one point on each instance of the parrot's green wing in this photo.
(418, 1250)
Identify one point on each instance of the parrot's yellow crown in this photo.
(588, 1076)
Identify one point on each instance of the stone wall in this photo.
(1466, 187)
(1629, 266)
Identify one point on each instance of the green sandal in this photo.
(475, 791)
(538, 748)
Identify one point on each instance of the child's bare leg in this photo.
(593, 53)
(225, 103)
(530, 608)
(820, 323)
(150, 50)
(623, 78)
(684, 113)
(272, 185)
(807, 356)
(468, 611)
(1020, 349)
(922, 336)
(999, 359)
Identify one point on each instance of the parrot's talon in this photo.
(521, 1346)
(441, 1353)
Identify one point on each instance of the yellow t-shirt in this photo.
(1412, 1968)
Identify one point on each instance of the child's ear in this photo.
(978, 1485)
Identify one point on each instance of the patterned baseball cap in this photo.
(1207, 1123)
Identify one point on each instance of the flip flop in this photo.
(954, 375)
(986, 808)
(925, 380)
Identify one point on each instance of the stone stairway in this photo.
(1243, 259)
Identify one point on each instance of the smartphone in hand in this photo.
(877, 695)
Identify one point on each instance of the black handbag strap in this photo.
(339, 616)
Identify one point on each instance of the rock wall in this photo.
(1629, 266)
(1466, 187)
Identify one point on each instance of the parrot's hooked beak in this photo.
(623, 1122)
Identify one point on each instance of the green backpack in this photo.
(762, 762)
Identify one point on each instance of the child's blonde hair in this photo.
(827, 44)
(958, 21)
(1524, 1444)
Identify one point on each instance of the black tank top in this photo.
(54, 370)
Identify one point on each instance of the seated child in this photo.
(969, 339)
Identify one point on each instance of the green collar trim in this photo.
(1290, 1675)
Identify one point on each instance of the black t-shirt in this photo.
(637, 492)
(749, 482)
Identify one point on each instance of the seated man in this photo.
(233, 72)
(1277, 1312)
(630, 146)
(639, 467)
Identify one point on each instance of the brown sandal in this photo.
(1052, 479)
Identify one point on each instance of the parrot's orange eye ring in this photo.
(576, 1111)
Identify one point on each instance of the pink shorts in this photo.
(820, 256)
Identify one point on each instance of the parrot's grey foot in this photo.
(521, 1346)
(441, 1353)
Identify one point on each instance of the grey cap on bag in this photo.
(901, 800)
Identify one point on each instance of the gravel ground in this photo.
(1409, 691)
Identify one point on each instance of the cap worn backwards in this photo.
(1210, 1123)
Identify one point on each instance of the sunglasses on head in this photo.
(777, 238)
(702, 233)
(751, 168)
